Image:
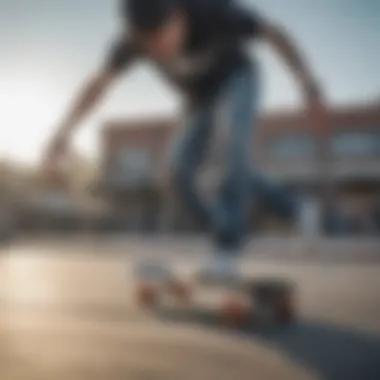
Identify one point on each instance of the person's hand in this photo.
(56, 153)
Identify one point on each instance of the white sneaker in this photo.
(221, 268)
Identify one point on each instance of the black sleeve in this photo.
(121, 55)
(237, 20)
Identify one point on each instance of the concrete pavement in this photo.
(68, 314)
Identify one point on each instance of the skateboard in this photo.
(248, 301)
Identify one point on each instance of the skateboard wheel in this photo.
(236, 312)
(147, 295)
(180, 291)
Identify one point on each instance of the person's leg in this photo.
(185, 160)
(187, 157)
(233, 200)
(238, 103)
(241, 184)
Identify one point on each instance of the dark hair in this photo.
(147, 15)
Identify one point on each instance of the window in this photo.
(356, 143)
(133, 160)
(293, 145)
(130, 162)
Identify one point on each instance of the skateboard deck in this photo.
(264, 301)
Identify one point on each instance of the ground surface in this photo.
(67, 313)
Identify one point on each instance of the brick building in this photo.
(285, 146)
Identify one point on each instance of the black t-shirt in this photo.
(214, 50)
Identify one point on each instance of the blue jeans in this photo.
(227, 216)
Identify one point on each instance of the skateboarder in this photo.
(200, 46)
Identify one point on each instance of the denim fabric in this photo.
(226, 216)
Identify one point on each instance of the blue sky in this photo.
(48, 47)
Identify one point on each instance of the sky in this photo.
(48, 48)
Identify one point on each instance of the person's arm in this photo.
(89, 96)
(122, 55)
(283, 44)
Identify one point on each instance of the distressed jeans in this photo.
(226, 217)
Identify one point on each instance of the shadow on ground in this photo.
(330, 351)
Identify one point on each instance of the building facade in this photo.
(338, 161)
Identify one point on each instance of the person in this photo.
(201, 47)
